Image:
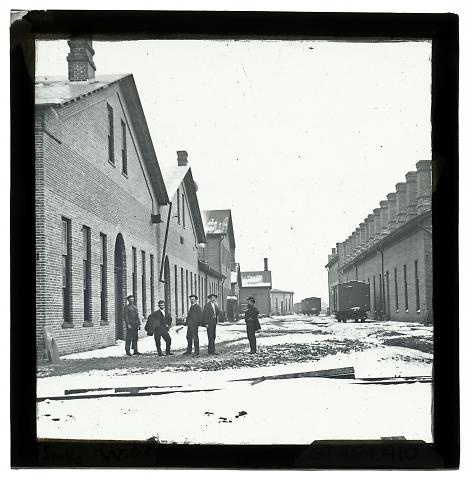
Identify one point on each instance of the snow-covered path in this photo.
(276, 411)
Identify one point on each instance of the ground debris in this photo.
(423, 344)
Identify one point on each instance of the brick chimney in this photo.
(392, 208)
(348, 243)
(424, 185)
(362, 236)
(354, 243)
(367, 232)
(80, 59)
(377, 220)
(411, 194)
(182, 158)
(401, 202)
(357, 240)
(384, 217)
(340, 249)
(265, 264)
(371, 228)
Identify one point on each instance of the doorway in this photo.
(120, 287)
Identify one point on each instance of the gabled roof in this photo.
(174, 176)
(53, 90)
(58, 92)
(219, 222)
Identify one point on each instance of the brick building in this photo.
(257, 284)
(281, 302)
(183, 233)
(391, 250)
(219, 253)
(99, 196)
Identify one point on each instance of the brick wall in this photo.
(182, 252)
(78, 182)
(332, 280)
(281, 303)
(261, 295)
(411, 247)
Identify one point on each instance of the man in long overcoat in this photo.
(160, 322)
(210, 320)
(193, 321)
(252, 322)
(132, 322)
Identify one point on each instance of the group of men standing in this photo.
(159, 323)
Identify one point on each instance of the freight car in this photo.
(352, 300)
(311, 306)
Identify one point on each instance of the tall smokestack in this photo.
(265, 264)
(182, 158)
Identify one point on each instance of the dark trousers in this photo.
(165, 335)
(192, 338)
(211, 337)
(131, 338)
(251, 336)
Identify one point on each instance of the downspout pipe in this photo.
(165, 244)
(381, 286)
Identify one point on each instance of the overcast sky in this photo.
(300, 139)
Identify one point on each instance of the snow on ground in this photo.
(295, 411)
(277, 411)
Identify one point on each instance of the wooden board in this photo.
(345, 372)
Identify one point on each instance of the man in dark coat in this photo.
(160, 322)
(210, 319)
(193, 321)
(133, 323)
(251, 319)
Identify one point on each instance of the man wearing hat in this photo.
(193, 321)
(251, 319)
(132, 322)
(160, 322)
(210, 319)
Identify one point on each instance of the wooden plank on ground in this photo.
(127, 394)
(117, 389)
(345, 372)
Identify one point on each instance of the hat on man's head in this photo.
(252, 299)
(161, 302)
(129, 296)
(212, 295)
(193, 296)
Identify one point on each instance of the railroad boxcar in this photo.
(311, 306)
(352, 301)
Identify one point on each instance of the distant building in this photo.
(219, 252)
(183, 233)
(281, 302)
(391, 250)
(257, 284)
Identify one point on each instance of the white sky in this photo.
(301, 140)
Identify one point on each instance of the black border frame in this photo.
(442, 29)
